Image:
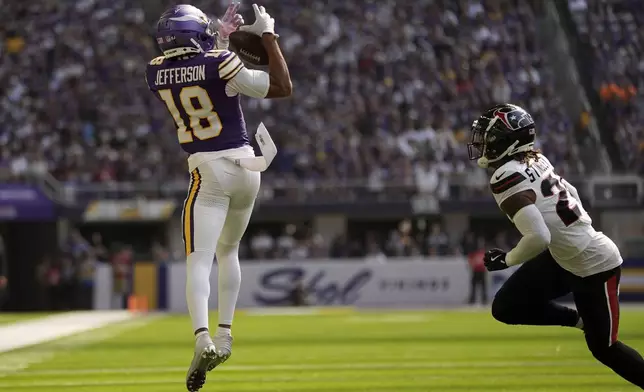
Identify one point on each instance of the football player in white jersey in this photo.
(200, 82)
(560, 251)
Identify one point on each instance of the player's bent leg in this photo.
(597, 300)
(204, 212)
(526, 298)
(229, 282)
(243, 186)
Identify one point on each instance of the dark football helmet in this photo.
(184, 29)
(501, 131)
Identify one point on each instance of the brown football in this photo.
(249, 48)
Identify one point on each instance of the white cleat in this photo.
(223, 344)
(202, 361)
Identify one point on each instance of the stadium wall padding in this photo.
(408, 283)
(103, 286)
(632, 283)
(146, 283)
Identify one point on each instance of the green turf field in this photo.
(6, 318)
(338, 351)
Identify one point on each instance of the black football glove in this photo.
(494, 260)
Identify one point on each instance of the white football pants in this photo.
(215, 216)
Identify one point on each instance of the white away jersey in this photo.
(574, 243)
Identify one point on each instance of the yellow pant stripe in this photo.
(189, 210)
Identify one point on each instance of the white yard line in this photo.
(156, 380)
(68, 325)
(311, 367)
(36, 331)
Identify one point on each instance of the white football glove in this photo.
(264, 23)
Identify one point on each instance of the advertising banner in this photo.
(409, 283)
(632, 282)
(25, 202)
(129, 210)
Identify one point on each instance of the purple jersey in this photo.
(194, 91)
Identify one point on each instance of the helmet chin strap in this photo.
(176, 52)
(484, 162)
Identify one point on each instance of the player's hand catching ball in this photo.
(264, 23)
(494, 260)
(230, 22)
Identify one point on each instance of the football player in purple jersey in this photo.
(200, 83)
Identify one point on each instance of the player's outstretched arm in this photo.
(281, 85)
(251, 82)
(529, 221)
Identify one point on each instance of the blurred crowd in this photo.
(67, 277)
(406, 239)
(384, 90)
(613, 30)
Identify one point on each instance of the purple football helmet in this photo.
(184, 29)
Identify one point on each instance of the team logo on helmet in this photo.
(513, 118)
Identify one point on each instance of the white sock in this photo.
(229, 281)
(203, 337)
(198, 287)
(222, 331)
(580, 323)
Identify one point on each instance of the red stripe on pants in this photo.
(613, 302)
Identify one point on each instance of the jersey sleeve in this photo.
(250, 82)
(230, 65)
(508, 180)
(239, 79)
